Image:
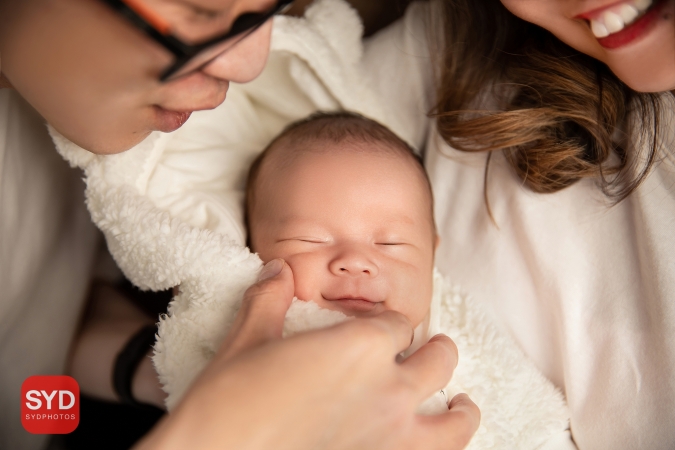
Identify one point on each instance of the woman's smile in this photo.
(622, 23)
(634, 38)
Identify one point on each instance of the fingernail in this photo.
(271, 269)
(458, 399)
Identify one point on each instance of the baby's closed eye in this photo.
(306, 239)
(391, 239)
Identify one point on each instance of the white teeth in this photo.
(628, 13)
(613, 22)
(615, 19)
(599, 29)
(642, 5)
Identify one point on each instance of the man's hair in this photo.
(335, 128)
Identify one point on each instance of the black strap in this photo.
(128, 360)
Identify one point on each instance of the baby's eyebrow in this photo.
(403, 219)
(295, 220)
(302, 226)
(295, 225)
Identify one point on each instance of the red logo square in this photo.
(50, 404)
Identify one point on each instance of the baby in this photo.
(349, 207)
(343, 200)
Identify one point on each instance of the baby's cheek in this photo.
(416, 301)
(305, 277)
(303, 292)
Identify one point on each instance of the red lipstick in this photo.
(635, 30)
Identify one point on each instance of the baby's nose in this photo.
(353, 264)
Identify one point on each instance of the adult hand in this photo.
(338, 388)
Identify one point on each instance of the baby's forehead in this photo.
(337, 130)
(342, 173)
(285, 158)
(330, 149)
(320, 171)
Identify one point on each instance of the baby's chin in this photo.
(359, 308)
(305, 316)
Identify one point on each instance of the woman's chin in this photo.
(661, 79)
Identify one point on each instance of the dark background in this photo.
(114, 426)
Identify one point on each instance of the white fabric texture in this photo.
(47, 248)
(171, 211)
(586, 289)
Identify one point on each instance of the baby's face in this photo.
(355, 227)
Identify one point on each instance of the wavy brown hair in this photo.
(557, 114)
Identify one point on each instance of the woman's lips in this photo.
(622, 23)
(168, 121)
(617, 7)
(634, 31)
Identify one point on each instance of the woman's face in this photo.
(95, 77)
(635, 38)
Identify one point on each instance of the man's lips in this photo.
(179, 98)
(168, 121)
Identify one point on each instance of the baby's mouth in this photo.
(354, 304)
(612, 20)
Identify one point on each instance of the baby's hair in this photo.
(336, 128)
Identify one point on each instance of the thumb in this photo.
(452, 429)
(265, 303)
(263, 309)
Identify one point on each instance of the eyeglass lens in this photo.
(202, 58)
(243, 26)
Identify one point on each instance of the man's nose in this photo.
(245, 60)
(352, 262)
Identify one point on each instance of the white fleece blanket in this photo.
(171, 211)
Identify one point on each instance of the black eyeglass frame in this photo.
(246, 23)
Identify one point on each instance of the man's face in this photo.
(355, 227)
(95, 77)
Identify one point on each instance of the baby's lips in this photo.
(354, 305)
(343, 297)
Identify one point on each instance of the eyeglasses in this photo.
(190, 57)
